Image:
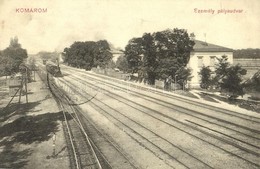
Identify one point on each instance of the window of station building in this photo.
(212, 61)
(200, 61)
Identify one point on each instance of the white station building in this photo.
(205, 54)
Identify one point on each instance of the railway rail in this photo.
(208, 113)
(87, 155)
(200, 115)
(170, 95)
(167, 94)
(81, 152)
(105, 111)
(179, 108)
(196, 128)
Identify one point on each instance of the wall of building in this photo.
(198, 59)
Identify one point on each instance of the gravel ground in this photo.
(27, 131)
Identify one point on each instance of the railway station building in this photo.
(205, 54)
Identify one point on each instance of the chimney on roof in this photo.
(205, 36)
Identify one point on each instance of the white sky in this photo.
(118, 21)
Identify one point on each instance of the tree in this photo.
(173, 48)
(12, 57)
(228, 78)
(122, 63)
(111, 64)
(253, 84)
(149, 59)
(206, 80)
(88, 54)
(183, 74)
(221, 70)
(14, 43)
(2, 65)
(103, 55)
(134, 54)
(231, 82)
(159, 55)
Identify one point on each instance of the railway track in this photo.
(200, 115)
(136, 136)
(101, 140)
(195, 128)
(179, 108)
(81, 152)
(88, 155)
(169, 95)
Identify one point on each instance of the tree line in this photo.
(52, 56)
(158, 55)
(162, 55)
(247, 53)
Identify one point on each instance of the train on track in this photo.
(53, 69)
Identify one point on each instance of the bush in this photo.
(206, 81)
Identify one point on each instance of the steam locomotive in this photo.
(53, 69)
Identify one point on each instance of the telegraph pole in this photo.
(24, 71)
(21, 88)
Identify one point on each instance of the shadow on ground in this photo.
(24, 130)
(29, 129)
(16, 109)
(13, 159)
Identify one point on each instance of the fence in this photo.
(111, 73)
(159, 84)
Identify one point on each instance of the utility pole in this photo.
(24, 71)
(205, 36)
(21, 89)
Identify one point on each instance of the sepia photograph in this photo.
(129, 84)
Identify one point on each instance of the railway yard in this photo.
(128, 84)
(111, 123)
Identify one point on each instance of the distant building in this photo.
(116, 53)
(205, 54)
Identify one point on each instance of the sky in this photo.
(117, 21)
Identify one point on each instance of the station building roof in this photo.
(201, 46)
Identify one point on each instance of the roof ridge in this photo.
(205, 46)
